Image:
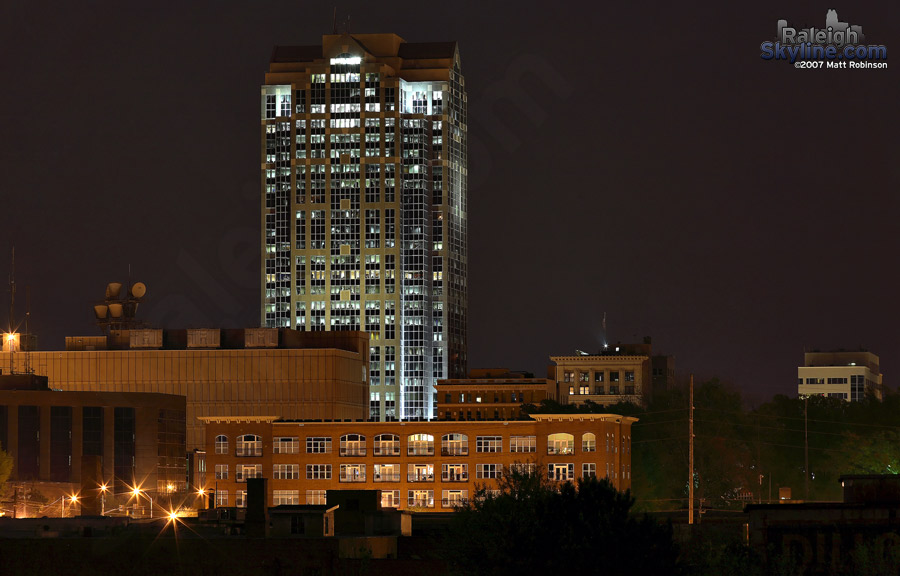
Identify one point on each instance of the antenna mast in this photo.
(12, 291)
(10, 338)
(27, 333)
(691, 456)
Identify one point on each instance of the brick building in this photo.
(429, 466)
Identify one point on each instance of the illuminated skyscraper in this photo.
(364, 206)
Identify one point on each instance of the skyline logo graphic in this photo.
(837, 45)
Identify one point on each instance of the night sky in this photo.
(651, 166)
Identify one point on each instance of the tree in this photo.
(875, 454)
(535, 526)
(6, 466)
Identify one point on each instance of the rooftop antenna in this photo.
(10, 341)
(12, 291)
(603, 326)
(334, 22)
(27, 333)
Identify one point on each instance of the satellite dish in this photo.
(100, 311)
(113, 289)
(139, 290)
(115, 310)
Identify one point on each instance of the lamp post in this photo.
(103, 489)
(74, 500)
(137, 492)
(62, 503)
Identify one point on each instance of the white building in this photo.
(840, 374)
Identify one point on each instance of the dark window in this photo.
(171, 465)
(60, 443)
(4, 424)
(92, 435)
(29, 443)
(297, 525)
(123, 449)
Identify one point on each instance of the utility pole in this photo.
(806, 444)
(691, 456)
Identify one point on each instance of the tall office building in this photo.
(364, 206)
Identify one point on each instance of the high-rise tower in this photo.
(364, 206)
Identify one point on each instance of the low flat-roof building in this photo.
(619, 374)
(248, 372)
(491, 394)
(824, 537)
(133, 439)
(425, 466)
(849, 375)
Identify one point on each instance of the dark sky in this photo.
(650, 166)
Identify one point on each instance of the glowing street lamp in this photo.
(103, 489)
(73, 499)
(137, 492)
(203, 495)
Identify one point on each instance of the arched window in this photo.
(420, 445)
(353, 445)
(248, 445)
(588, 442)
(221, 444)
(560, 443)
(387, 445)
(454, 444)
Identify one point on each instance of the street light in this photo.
(138, 492)
(62, 503)
(103, 490)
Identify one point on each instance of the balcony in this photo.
(455, 476)
(387, 477)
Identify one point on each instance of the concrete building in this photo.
(220, 372)
(425, 466)
(491, 394)
(134, 440)
(619, 374)
(364, 223)
(849, 375)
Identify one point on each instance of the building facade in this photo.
(364, 174)
(840, 374)
(220, 372)
(138, 440)
(427, 466)
(604, 378)
(491, 394)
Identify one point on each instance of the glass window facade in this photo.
(364, 196)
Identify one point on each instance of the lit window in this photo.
(489, 443)
(318, 471)
(221, 444)
(522, 444)
(318, 445)
(561, 472)
(353, 473)
(560, 443)
(353, 445)
(588, 442)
